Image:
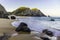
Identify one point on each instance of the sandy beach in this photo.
(6, 27)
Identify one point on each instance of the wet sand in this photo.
(6, 27)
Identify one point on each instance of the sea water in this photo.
(40, 23)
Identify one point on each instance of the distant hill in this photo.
(21, 11)
(25, 11)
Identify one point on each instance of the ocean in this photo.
(40, 23)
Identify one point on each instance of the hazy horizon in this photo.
(48, 7)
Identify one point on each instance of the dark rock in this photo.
(3, 12)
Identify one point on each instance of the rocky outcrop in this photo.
(24, 11)
(3, 12)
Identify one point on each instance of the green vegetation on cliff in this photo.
(25, 11)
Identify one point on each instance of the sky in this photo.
(48, 7)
